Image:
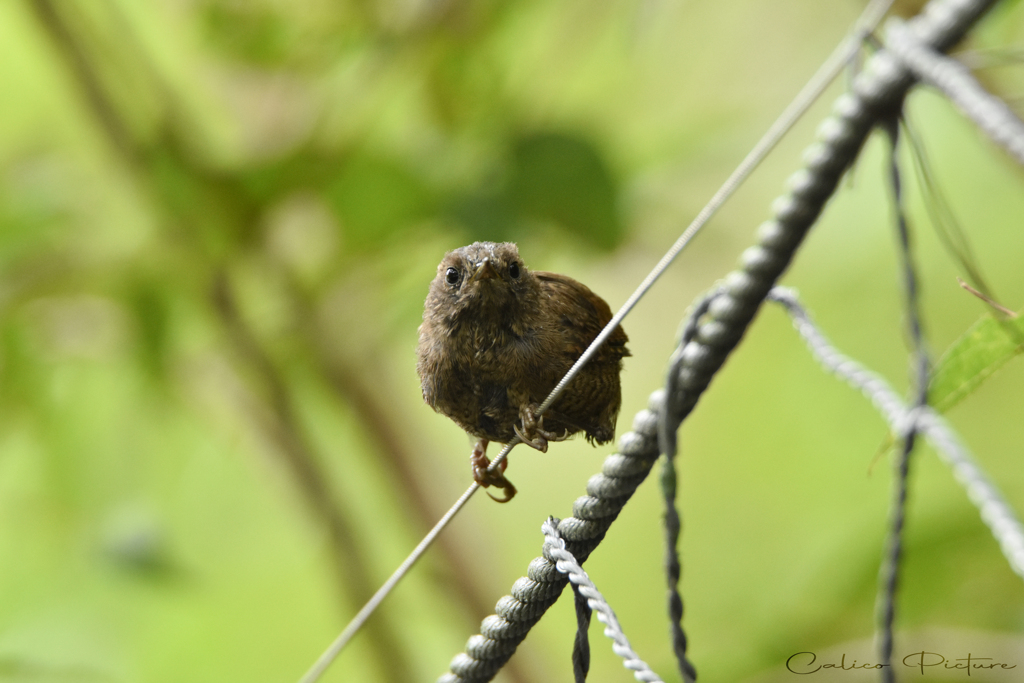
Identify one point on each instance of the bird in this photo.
(497, 337)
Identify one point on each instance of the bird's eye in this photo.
(513, 270)
(452, 276)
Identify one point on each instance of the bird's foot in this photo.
(533, 433)
(480, 462)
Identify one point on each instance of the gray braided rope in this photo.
(876, 91)
(988, 112)
(995, 511)
(554, 549)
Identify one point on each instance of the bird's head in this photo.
(481, 279)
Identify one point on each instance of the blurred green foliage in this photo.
(982, 351)
(218, 220)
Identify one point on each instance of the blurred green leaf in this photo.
(564, 178)
(248, 31)
(489, 216)
(372, 195)
(550, 177)
(973, 358)
(210, 206)
(21, 385)
(303, 169)
(375, 196)
(29, 223)
(149, 309)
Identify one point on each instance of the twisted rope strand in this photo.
(608, 491)
(997, 514)
(668, 442)
(891, 567)
(554, 548)
(581, 646)
(955, 81)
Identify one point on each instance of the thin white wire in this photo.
(360, 618)
(831, 68)
(844, 52)
(567, 564)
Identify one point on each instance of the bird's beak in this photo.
(484, 271)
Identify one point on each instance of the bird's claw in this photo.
(538, 441)
(508, 490)
(533, 433)
(482, 476)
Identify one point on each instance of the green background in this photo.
(218, 221)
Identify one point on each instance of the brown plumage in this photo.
(495, 340)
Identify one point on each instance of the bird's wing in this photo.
(577, 306)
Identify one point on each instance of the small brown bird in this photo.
(495, 340)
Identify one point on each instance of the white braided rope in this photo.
(987, 111)
(995, 511)
(566, 564)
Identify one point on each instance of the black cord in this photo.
(668, 427)
(889, 574)
(581, 646)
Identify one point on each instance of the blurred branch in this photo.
(209, 201)
(286, 432)
(65, 40)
